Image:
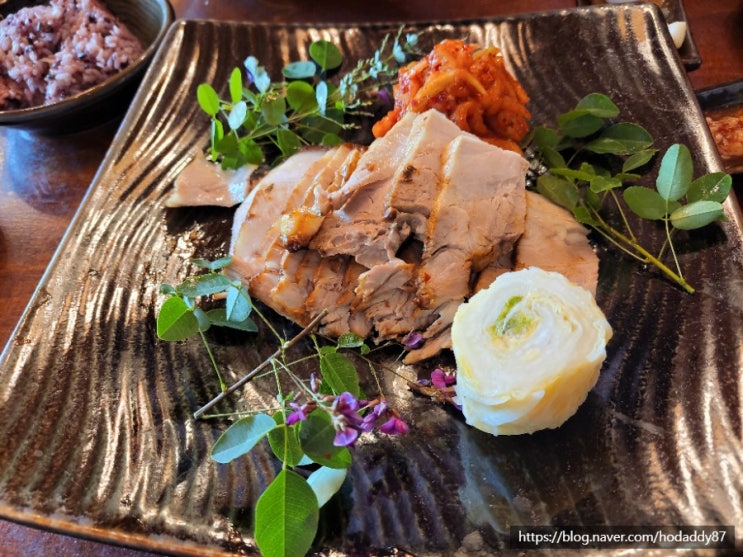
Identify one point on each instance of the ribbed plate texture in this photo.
(96, 430)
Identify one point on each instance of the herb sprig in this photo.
(263, 117)
(309, 429)
(590, 159)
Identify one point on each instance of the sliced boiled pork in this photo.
(392, 238)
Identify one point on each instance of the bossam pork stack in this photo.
(394, 237)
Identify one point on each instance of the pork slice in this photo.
(328, 286)
(294, 284)
(334, 285)
(360, 229)
(343, 173)
(555, 241)
(335, 176)
(254, 220)
(300, 223)
(476, 219)
(386, 295)
(415, 183)
(378, 162)
(274, 243)
(203, 182)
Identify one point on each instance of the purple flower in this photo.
(346, 419)
(347, 406)
(413, 340)
(345, 403)
(394, 426)
(370, 420)
(345, 437)
(441, 380)
(299, 414)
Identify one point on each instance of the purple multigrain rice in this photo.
(52, 51)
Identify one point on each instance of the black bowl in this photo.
(148, 20)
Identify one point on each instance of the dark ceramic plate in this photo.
(96, 421)
(673, 11)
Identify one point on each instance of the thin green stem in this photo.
(212, 359)
(249, 377)
(671, 246)
(650, 258)
(269, 325)
(623, 215)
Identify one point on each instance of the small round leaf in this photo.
(675, 173)
(299, 70)
(241, 437)
(208, 99)
(696, 215)
(326, 54)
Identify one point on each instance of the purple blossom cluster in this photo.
(352, 417)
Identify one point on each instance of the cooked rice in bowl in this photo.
(50, 52)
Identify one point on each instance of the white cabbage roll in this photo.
(528, 349)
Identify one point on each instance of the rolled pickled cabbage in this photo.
(528, 349)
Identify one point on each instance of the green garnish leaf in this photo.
(326, 482)
(545, 138)
(349, 340)
(288, 142)
(301, 96)
(624, 138)
(340, 374)
(217, 134)
(259, 115)
(284, 442)
(237, 115)
(558, 190)
(273, 109)
(176, 320)
(326, 55)
(316, 435)
(204, 285)
(331, 139)
(638, 159)
(214, 265)
(645, 202)
(696, 214)
(598, 104)
(675, 174)
(605, 183)
(240, 438)
(208, 99)
(321, 95)
(286, 517)
(218, 317)
(583, 216)
(579, 124)
(167, 289)
(303, 69)
(238, 306)
(236, 85)
(710, 187)
(202, 319)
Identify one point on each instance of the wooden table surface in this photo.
(43, 178)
